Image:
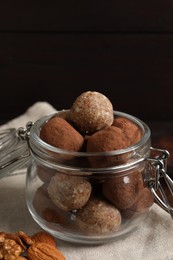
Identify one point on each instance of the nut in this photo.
(11, 246)
(21, 258)
(43, 237)
(24, 237)
(12, 236)
(2, 237)
(10, 249)
(91, 112)
(44, 251)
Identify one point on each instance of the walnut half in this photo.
(10, 249)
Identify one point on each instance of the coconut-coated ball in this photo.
(91, 112)
(98, 217)
(69, 192)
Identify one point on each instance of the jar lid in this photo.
(14, 152)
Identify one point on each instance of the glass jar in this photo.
(78, 202)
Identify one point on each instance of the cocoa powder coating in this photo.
(108, 139)
(143, 202)
(123, 191)
(59, 133)
(130, 129)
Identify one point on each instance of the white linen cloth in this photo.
(152, 240)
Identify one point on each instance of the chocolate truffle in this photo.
(91, 112)
(59, 133)
(143, 202)
(131, 130)
(108, 139)
(98, 217)
(122, 191)
(69, 192)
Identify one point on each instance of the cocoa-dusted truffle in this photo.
(143, 202)
(122, 191)
(91, 112)
(69, 192)
(108, 139)
(98, 217)
(131, 130)
(59, 133)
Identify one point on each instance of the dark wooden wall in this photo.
(54, 50)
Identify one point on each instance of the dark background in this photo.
(55, 50)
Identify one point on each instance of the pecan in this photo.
(25, 238)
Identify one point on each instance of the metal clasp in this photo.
(24, 133)
(16, 156)
(159, 168)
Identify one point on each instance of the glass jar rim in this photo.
(35, 138)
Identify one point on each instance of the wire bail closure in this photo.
(24, 133)
(14, 149)
(159, 166)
